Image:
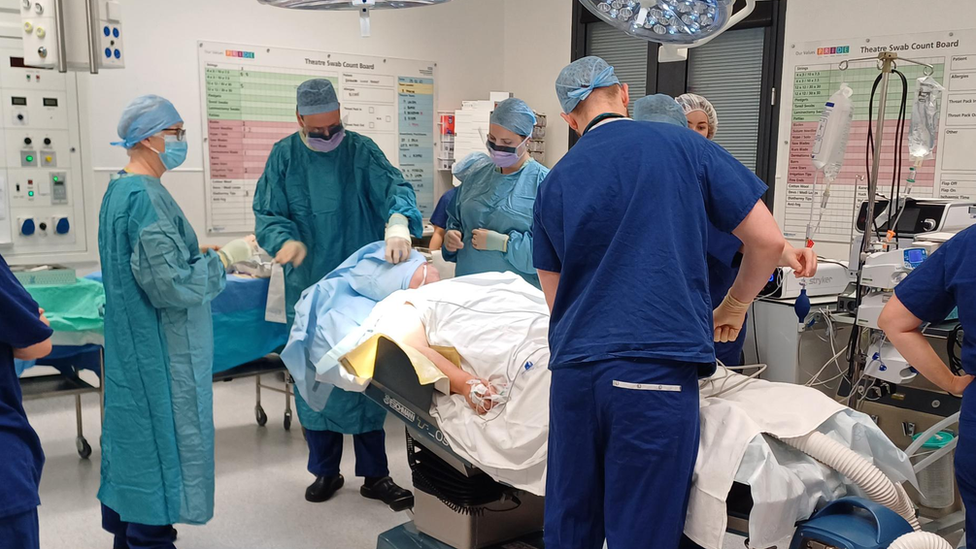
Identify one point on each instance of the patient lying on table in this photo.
(498, 325)
(495, 413)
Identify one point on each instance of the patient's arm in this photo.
(408, 329)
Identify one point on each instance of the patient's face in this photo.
(425, 274)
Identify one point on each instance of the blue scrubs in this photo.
(946, 280)
(439, 217)
(723, 266)
(129, 535)
(624, 219)
(20, 531)
(325, 453)
(21, 458)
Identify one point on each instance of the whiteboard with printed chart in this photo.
(248, 96)
(812, 73)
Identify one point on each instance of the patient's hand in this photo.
(480, 402)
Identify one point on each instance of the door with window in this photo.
(738, 72)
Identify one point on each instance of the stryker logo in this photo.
(241, 54)
(399, 408)
(820, 280)
(834, 50)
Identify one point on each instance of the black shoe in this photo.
(387, 491)
(323, 488)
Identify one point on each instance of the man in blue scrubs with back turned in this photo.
(620, 240)
(24, 334)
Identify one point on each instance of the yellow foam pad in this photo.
(361, 362)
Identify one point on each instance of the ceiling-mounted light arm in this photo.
(668, 53)
(364, 6)
(733, 21)
(675, 24)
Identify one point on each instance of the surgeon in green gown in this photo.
(157, 433)
(325, 193)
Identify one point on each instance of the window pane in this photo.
(626, 54)
(728, 72)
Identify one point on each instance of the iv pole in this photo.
(887, 62)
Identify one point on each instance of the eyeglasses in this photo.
(180, 133)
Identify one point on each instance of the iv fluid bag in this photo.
(925, 118)
(835, 128)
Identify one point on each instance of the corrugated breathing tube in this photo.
(860, 471)
(920, 540)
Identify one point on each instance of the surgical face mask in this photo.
(324, 142)
(506, 157)
(175, 153)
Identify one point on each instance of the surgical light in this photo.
(362, 6)
(675, 23)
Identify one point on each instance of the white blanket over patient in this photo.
(498, 323)
(738, 443)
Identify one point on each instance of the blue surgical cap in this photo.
(470, 164)
(316, 97)
(578, 80)
(514, 115)
(660, 108)
(145, 117)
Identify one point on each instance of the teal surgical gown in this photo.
(157, 435)
(487, 199)
(335, 203)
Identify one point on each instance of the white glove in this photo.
(293, 252)
(235, 251)
(398, 243)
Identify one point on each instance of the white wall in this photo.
(538, 34)
(161, 38)
(830, 20)
(479, 46)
